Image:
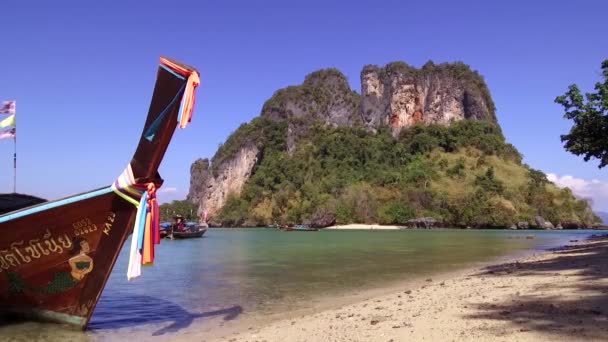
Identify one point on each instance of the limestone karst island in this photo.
(417, 147)
(316, 171)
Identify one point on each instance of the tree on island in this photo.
(589, 135)
(185, 208)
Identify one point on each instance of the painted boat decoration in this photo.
(56, 257)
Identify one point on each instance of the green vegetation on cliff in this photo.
(324, 95)
(265, 133)
(185, 208)
(324, 154)
(464, 174)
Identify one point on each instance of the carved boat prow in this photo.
(56, 257)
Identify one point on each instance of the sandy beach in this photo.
(363, 226)
(558, 295)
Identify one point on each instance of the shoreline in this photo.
(365, 226)
(362, 226)
(555, 295)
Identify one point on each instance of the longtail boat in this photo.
(194, 233)
(56, 257)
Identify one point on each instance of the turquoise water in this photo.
(231, 275)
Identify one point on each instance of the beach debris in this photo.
(374, 322)
(429, 280)
(407, 291)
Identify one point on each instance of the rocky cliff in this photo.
(210, 187)
(397, 96)
(400, 96)
(325, 96)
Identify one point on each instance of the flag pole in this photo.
(15, 164)
(15, 152)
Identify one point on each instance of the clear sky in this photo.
(82, 73)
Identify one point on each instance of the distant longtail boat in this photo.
(56, 257)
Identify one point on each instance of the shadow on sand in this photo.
(579, 311)
(120, 311)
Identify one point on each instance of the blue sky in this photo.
(82, 73)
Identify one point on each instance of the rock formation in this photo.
(210, 189)
(541, 223)
(396, 95)
(325, 96)
(423, 222)
(400, 96)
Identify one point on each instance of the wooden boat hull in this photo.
(188, 235)
(36, 278)
(56, 257)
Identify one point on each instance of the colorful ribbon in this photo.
(187, 105)
(146, 232)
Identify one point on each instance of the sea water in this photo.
(235, 279)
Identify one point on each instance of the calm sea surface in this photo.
(233, 277)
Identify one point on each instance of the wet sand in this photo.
(559, 295)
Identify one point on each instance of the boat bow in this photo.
(56, 257)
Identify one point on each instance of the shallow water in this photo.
(200, 286)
